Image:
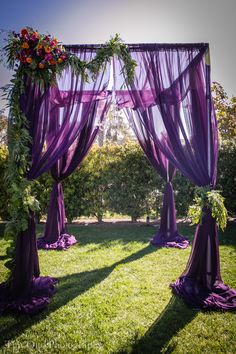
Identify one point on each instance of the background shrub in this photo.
(4, 194)
(227, 177)
(119, 179)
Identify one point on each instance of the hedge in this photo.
(119, 179)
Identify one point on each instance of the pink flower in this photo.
(53, 43)
(33, 38)
(48, 56)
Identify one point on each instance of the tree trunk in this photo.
(99, 218)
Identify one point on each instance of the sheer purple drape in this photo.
(56, 235)
(171, 95)
(167, 235)
(66, 107)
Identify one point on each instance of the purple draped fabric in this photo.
(171, 94)
(56, 236)
(28, 293)
(65, 106)
(209, 291)
(167, 235)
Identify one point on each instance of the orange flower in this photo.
(29, 60)
(52, 62)
(47, 49)
(59, 60)
(25, 45)
(41, 65)
(39, 46)
(36, 34)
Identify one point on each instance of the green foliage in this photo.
(4, 187)
(106, 52)
(134, 185)
(21, 199)
(227, 176)
(184, 193)
(96, 182)
(114, 178)
(226, 115)
(3, 130)
(210, 199)
(41, 189)
(74, 188)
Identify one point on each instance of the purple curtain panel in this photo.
(171, 96)
(167, 235)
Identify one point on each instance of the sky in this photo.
(137, 21)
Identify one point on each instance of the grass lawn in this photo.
(113, 296)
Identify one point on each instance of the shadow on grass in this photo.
(68, 288)
(106, 235)
(174, 317)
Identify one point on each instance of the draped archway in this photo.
(170, 106)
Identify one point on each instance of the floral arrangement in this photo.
(42, 57)
(210, 199)
(35, 50)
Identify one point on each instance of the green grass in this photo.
(113, 296)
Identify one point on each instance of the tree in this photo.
(225, 114)
(226, 118)
(115, 128)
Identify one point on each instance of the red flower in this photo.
(52, 62)
(54, 42)
(24, 32)
(22, 59)
(28, 51)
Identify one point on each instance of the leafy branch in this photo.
(210, 199)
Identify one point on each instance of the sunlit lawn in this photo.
(113, 296)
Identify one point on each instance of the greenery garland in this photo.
(41, 58)
(21, 199)
(210, 199)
